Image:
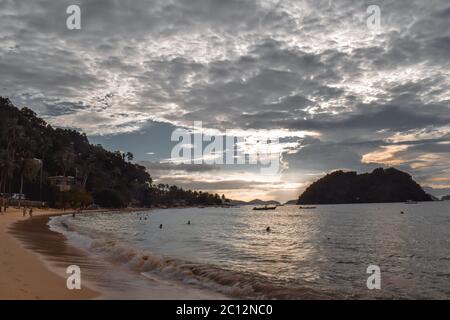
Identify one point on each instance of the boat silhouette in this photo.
(264, 208)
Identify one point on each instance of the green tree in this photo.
(28, 169)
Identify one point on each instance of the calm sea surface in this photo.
(317, 253)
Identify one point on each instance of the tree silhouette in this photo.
(109, 178)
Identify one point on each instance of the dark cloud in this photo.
(168, 166)
(294, 65)
(190, 183)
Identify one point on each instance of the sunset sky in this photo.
(335, 93)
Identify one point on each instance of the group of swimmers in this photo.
(189, 222)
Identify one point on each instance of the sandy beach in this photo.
(24, 275)
(34, 260)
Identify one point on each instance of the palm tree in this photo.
(86, 168)
(66, 159)
(14, 141)
(28, 169)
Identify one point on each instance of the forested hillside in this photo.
(31, 151)
(381, 185)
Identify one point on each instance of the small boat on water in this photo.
(264, 208)
(303, 207)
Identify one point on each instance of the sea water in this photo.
(308, 253)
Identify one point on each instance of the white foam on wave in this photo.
(156, 267)
(63, 225)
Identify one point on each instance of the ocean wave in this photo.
(236, 284)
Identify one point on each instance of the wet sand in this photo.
(24, 273)
(34, 261)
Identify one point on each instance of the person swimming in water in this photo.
(268, 229)
(160, 226)
(189, 222)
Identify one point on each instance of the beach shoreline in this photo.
(34, 260)
(24, 273)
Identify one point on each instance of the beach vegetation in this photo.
(32, 151)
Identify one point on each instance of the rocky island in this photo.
(379, 186)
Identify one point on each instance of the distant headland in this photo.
(254, 202)
(379, 186)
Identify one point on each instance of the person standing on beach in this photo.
(24, 211)
(31, 212)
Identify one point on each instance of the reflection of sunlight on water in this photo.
(273, 252)
(327, 248)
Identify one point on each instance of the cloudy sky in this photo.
(312, 74)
